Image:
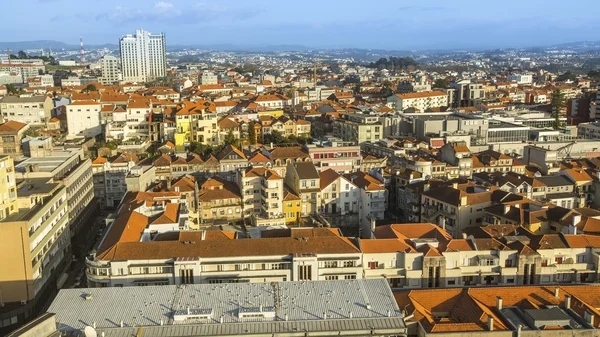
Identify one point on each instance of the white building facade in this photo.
(143, 56)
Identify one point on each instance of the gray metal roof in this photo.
(345, 303)
(17, 99)
(351, 327)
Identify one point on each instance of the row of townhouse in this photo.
(138, 251)
(233, 187)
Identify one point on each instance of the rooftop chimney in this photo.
(490, 323)
(567, 301)
(576, 219)
(499, 302)
(556, 292)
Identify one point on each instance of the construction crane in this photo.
(317, 63)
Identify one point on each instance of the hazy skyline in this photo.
(430, 24)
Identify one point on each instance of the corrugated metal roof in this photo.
(368, 302)
(358, 327)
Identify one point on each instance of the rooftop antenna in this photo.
(82, 50)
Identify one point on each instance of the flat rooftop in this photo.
(46, 164)
(235, 308)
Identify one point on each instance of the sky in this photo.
(385, 24)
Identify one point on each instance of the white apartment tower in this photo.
(110, 70)
(143, 56)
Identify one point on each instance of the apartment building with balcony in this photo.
(195, 122)
(537, 217)
(343, 157)
(406, 255)
(11, 134)
(33, 110)
(109, 176)
(201, 257)
(280, 157)
(304, 180)
(36, 249)
(420, 101)
(458, 154)
(8, 194)
(373, 200)
(458, 206)
(358, 128)
(231, 159)
(219, 201)
(70, 169)
(262, 191)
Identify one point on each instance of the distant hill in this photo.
(47, 44)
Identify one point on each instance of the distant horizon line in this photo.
(257, 48)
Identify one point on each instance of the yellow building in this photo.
(195, 122)
(272, 113)
(291, 207)
(35, 242)
(8, 191)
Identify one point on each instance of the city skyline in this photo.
(396, 25)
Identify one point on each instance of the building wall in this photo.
(84, 120)
(7, 188)
(143, 56)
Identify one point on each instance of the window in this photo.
(331, 277)
(330, 264)
(558, 260)
(451, 282)
(349, 264)
(350, 277)
(305, 273)
(187, 276)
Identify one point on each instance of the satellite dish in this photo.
(89, 332)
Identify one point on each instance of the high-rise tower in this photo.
(143, 56)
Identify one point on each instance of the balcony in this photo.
(429, 211)
(571, 267)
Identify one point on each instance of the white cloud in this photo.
(163, 6)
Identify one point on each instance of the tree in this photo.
(387, 87)
(231, 140)
(252, 132)
(22, 55)
(11, 89)
(200, 149)
(440, 83)
(557, 102)
(394, 63)
(566, 76)
(151, 150)
(90, 87)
